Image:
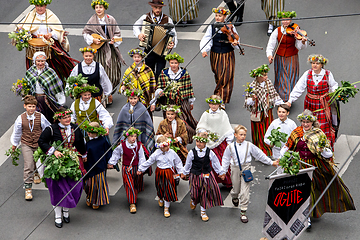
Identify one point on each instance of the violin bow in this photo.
(277, 48)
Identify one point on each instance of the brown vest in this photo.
(165, 19)
(31, 138)
(287, 46)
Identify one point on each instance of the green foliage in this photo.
(344, 92)
(73, 82)
(276, 137)
(290, 162)
(173, 147)
(14, 155)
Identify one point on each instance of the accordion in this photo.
(153, 35)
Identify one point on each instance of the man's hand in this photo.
(96, 41)
(171, 45)
(141, 37)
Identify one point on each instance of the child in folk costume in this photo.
(173, 127)
(132, 153)
(216, 121)
(27, 129)
(203, 186)
(260, 98)
(169, 167)
(242, 152)
(222, 57)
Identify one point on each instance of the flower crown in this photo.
(132, 52)
(58, 115)
(174, 56)
(40, 2)
(84, 88)
(163, 144)
(317, 58)
(200, 139)
(258, 72)
(90, 129)
(285, 14)
(306, 117)
(173, 108)
(88, 49)
(214, 101)
(133, 93)
(100, 2)
(221, 11)
(132, 131)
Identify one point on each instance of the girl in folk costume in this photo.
(222, 56)
(108, 55)
(169, 167)
(180, 92)
(286, 62)
(216, 121)
(174, 128)
(308, 140)
(271, 9)
(46, 86)
(183, 10)
(51, 32)
(132, 153)
(203, 186)
(64, 130)
(96, 187)
(318, 82)
(260, 98)
(94, 72)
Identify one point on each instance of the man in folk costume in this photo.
(156, 16)
(271, 8)
(286, 61)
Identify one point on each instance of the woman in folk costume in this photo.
(216, 122)
(260, 98)
(184, 10)
(46, 86)
(64, 130)
(173, 127)
(108, 55)
(53, 32)
(286, 61)
(222, 57)
(308, 141)
(271, 9)
(180, 92)
(318, 82)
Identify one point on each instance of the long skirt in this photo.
(58, 189)
(337, 198)
(97, 190)
(223, 67)
(258, 130)
(286, 75)
(132, 182)
(219, 152)
(271, 8)
(46, 107)
(165, 184)
(178, 9)
(205, 191)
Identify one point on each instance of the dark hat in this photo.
(157, 3)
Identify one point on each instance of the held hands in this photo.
(204, 54)
(271, 58)
(141, 37)
(109, 166)
(138, 173)
(222, 177)
(171, 45)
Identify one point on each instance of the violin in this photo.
(294, 29)
(232, 36)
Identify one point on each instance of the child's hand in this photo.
(182, 176)
(222, 177)
(275, 163)
(167, 135)
(13, 148)
(109, 166)
(138, 173)
(204, 54)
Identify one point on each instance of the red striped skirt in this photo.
(258, 130)
(97, 190)
(165, 184)
(132, 182)
(219, 152)
(286, 75)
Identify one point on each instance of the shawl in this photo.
(265, 97)
(165, 127)
(113, 31)
(95, 150)
(144, 124)
(217, 123)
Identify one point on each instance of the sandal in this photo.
(166, 212)
(28, 194)
(37, 179)
(192, 205)
(204, 217)
(161, 203)
(132, 208)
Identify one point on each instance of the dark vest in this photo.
(31, 138)
(165, 19)
(128, 154)
(201, 165)
(93, 79)
(220, 47)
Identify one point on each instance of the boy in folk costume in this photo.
(260, 99)
(169, 167)
(203, 186)
(216, 121)
(27, 129)
(173, 127)
(242, 152)
(222, 56)
(132, 153)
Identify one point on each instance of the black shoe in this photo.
(309, 225)
(239, 16)
(235, 201)
(66, 219)
(232, 7)
(58, 225)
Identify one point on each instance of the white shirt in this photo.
(42, 30)
(118, 152)
(104, 115)
(90, 69)
(17, 131)
(273, 41)
(301, 85)
(207, 41)
(163, 160)
(215, 163)
(176, 76)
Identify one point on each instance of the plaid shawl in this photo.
(48, 80)
(183, 90)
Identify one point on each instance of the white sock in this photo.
(66, 212)
(57, 211)
(161, 200)
(271, 27)
(202, 209)
(166, 204)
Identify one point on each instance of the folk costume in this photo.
(271, 8)
(184, 10)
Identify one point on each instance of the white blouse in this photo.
(118, 152)
(206, 42)
(163, 160)
(42, 30)
(201, 153)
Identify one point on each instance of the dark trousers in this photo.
(153, 59)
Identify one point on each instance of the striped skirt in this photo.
(337, 198)
(223, 67)
(271, 8)
(205, 191)
(97, 190)
(286, 75)
(258, 130)
(165, 184)
(132, 182)
(178, 8)
(219, 152)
